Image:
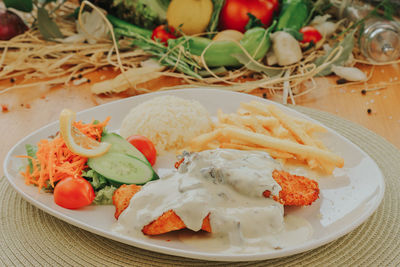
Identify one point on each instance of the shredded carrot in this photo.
(54, 161)
(92, 129)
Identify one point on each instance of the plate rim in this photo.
(192, 254)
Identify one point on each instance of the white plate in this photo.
(347, 198)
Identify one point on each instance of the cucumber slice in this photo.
(123, 169)
(120, 145)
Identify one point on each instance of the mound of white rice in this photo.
(169, 122)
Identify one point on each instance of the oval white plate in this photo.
(347, 198)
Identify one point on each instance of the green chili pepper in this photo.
(256, 41)
(293, 16)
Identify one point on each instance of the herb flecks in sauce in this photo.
(228, 185)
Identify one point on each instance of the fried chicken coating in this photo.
(296, 191)
(122, 196)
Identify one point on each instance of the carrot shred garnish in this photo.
(54, 161)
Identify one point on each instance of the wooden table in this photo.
(34, 107)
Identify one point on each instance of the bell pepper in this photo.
(294, 14)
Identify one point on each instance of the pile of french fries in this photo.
(260, 126)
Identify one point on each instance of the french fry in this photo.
(280, 144)
(280, 132)
(204, 139)
(258, 126)
(243, 111)
(273, 153)
(260, 129)
(310, 127)
(296, 131)
(250, 122)
(221, 116)
(229, 119)
(254, 107)
(291, 125)
(267, 121)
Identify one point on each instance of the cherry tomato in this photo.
(310, 34)
(144, 145)
(163, 33)
(234, 13)
(73, 193)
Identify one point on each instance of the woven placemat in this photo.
(29, 236)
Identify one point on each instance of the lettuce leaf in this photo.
(31, 152)
(97, 180)
(104, 196)
(103, 188)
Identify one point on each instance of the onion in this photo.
(10, 25)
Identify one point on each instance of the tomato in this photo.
(163, 33)
(310, 34)
(234, 13)
(144, 145)
(73, 193)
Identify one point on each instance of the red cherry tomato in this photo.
(73, 193)
(144, 145)
(162, 33)
(310, 34)
(234, 13)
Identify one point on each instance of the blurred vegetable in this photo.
(93, 29)
(235, 13)
(47, 27)
(131, 77)
(255, 41)
(228, 35)
(10, 25)
(183, 63)
(144, 13)
(21, 5)
(347, 45)
(190, 16)
(310, 34)
(294, 14)
(127, 29)
(163, 33)
(325, 27)
(222, 53)
(212, 27)
(286, 48)
(168, 56)
(271, 58)
(251, 64)
(349, 73)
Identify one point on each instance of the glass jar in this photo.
(380, 39)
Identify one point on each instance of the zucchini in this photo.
(123, 168)
(120, 145)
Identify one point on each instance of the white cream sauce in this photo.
(228, 185)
